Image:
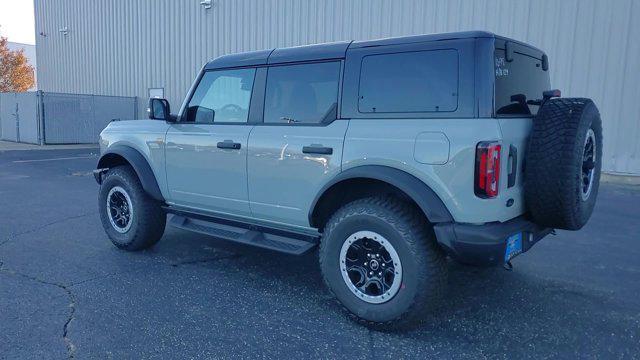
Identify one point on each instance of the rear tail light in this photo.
(487, 175)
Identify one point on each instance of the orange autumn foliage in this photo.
(16, 75)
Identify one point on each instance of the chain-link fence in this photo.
(57, 118)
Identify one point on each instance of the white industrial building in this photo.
(143, 47)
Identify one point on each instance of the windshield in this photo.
(519, 83)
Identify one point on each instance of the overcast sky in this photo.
(16, 21)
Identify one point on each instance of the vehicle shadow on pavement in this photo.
(479, 304)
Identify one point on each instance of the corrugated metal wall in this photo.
(125, 47)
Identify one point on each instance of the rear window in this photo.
(421, 81)
(518, 82)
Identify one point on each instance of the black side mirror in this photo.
(159, 110)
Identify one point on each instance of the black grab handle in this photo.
(229, 144)
(317, 149)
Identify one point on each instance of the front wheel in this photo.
(131, 218)
(379, 257)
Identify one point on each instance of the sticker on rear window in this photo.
(500, 67)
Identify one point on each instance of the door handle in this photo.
(317, 149)
(229, 144)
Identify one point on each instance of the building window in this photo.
(157, 93)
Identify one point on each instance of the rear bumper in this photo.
(486, 244)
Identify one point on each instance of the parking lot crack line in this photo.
(40, 227)
(5, 241)
(101, 277)
(71, 349)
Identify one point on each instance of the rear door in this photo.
(206, 151)
(298, 146)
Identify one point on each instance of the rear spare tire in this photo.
(563, 163)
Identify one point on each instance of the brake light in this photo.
(487, 174)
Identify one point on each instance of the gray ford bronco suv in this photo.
(389, 155)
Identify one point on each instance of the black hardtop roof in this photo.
(335, 50)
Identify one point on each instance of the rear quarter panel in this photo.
(392, 142)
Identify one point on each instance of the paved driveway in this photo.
(65, 291)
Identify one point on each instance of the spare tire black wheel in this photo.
(563, 163)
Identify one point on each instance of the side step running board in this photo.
(244, 236)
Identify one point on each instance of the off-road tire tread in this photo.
(551, 166)
(416, 231)
(151, 218)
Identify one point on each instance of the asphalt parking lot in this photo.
(65, 291)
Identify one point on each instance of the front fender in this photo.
(138, 162)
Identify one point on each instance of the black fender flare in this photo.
(140, 166)
(428, 201)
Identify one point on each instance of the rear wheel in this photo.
(379, 258)
(131, 218)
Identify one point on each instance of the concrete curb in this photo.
(620, 179)
(14, 146)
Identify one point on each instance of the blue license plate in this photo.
(514, 246)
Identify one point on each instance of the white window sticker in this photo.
(500, 67)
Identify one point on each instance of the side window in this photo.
(222, 96)
(421, 81)
(305, 93)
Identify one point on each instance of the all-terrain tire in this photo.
(554, 184)
(147, 219)
(423, 261)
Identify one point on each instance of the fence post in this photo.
(41, 117)
(15, 96)
(135, 107)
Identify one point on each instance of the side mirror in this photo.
(159, 110)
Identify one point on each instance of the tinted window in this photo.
(306, 93)
(517, 82)
(222, 96)
(423, 81)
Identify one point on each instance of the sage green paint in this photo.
(146, 136)
(393, 143)
(283, 181)
(270, 180)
